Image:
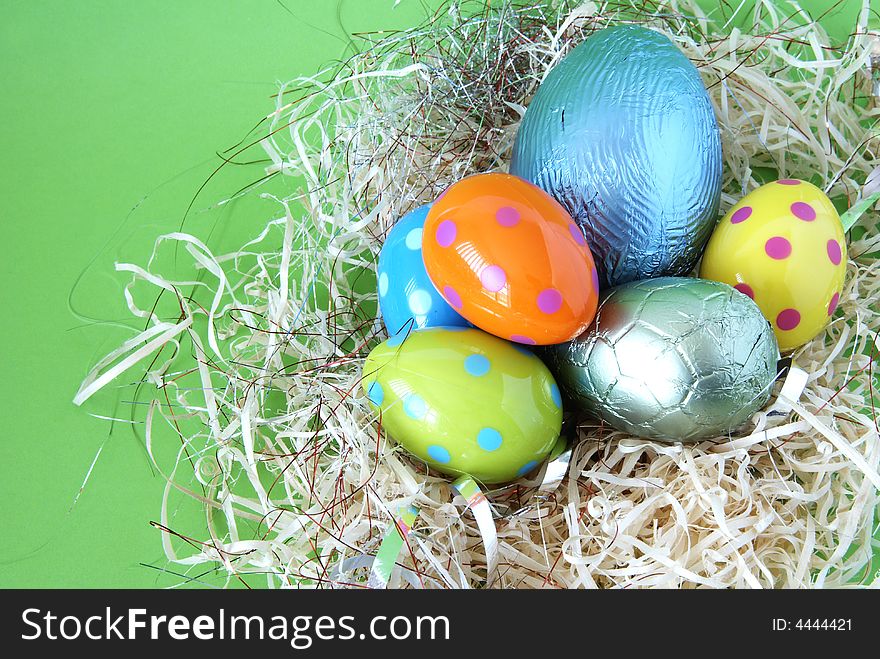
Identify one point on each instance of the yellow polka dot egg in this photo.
(783, 245)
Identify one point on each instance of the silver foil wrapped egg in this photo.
(671, 359)
(622, 133)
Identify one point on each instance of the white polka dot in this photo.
(419, 302)
(383, 284)
(414, 239)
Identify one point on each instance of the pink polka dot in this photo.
(452, 296)
(595, 280)
(788, 319)
(746, 290)
(741, 215)
(549, 300)
(493, 278)
(803, 211)
(507, 216)
(788, 181)
(519, 338)
(777, 248)
(833, 304)
(442, 194)
(577, 234)
(834, 254)
(446, 231)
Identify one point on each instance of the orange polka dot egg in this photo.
(510, 259)
(783, 245)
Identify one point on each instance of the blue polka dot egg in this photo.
(407, 298)
(465, 402)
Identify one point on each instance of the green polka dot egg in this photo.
(465, 402)
(782, 245)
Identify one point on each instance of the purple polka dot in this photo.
(446, 231)
(577, 234)
(834, 254)
(803, 211)
(596, 280)
(549, 300)
(452, 296)
(507, 216)
(493, 278)
(519, 338)
(746, 290)
(833, 304)
(741, 215)
(788, 319)
(778, 248)
(788, 181)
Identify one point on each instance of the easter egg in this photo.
(622, 133)
(509, 259)
(670, 359)
(407, 298)
(782, 245)
(465, 402)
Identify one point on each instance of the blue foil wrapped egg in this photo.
(622, 133)
(407, 298)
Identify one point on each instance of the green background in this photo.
(111, 116)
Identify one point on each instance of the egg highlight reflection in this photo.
(465, 402)
(671, 359)
(623, 134)
(511, 260)
(407, 298)
(783, 245)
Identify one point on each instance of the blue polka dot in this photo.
(439, 454)
(526, 468)
(376, 394)
(414, 239)
(489, 439)
(383, 284)
(415, 406)
(419, 302)
(555, 395)
(476, 365)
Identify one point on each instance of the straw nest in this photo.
(256, 366)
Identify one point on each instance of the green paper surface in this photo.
(111, 116)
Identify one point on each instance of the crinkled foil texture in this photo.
(672, 359)
(622, 133)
